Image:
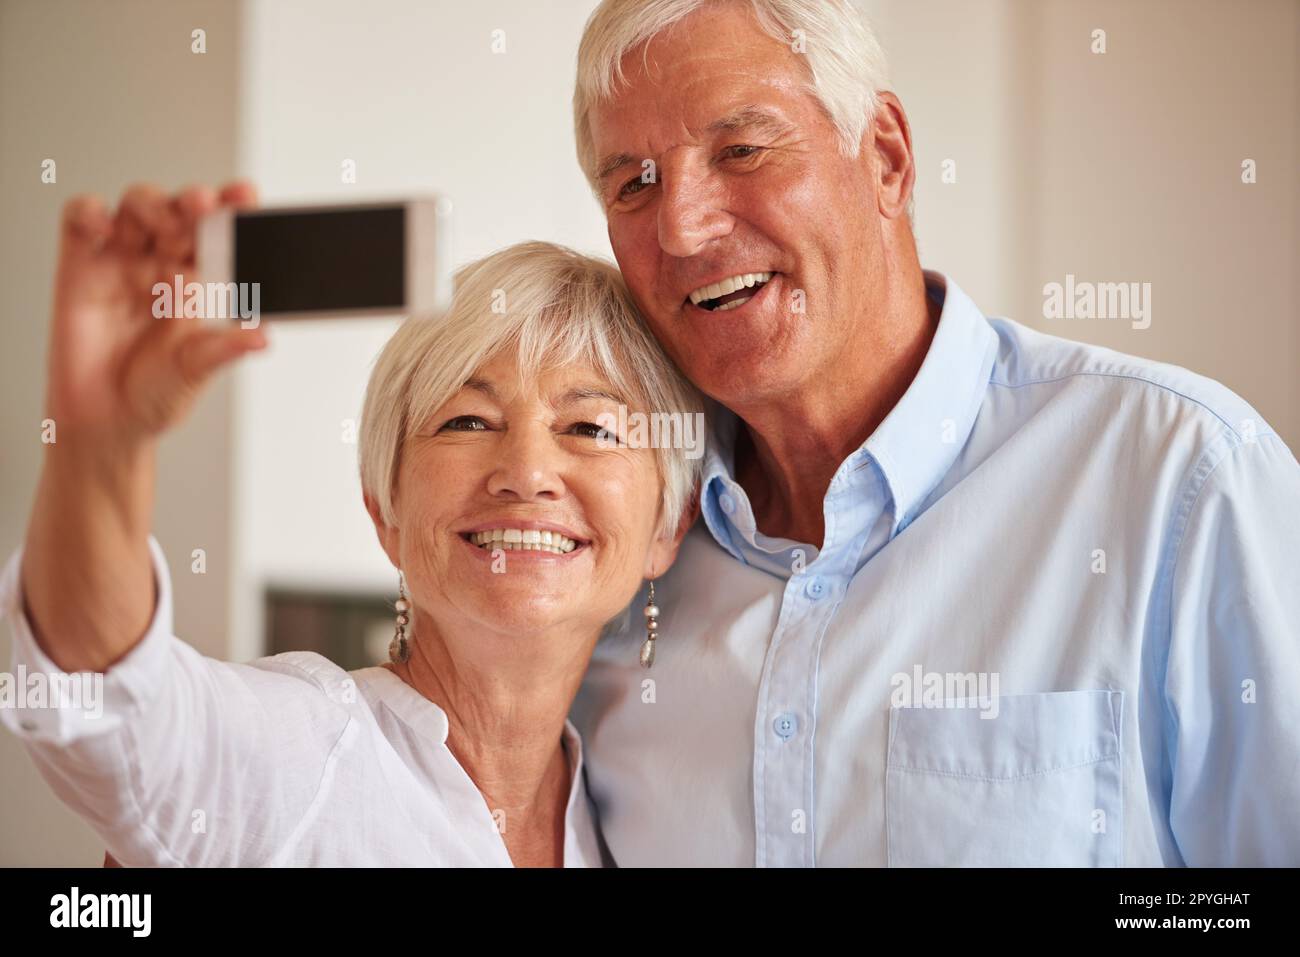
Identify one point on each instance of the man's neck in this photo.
(788, 450)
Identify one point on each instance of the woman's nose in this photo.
(529, 466)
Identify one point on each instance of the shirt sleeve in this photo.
(1232, 685)
(174, 758)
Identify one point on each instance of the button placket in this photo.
(784, 768)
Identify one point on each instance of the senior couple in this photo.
(943, 590)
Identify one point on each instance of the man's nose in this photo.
(529, 467)
(691, 211)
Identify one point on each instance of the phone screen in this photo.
(324, 260)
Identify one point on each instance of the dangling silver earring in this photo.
(399, 649)
(651, 628)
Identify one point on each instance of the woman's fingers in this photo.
(191, 205)
(141, 216)
(86, 225)
(240, 194)
(177, 228)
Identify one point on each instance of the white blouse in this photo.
(184, 760)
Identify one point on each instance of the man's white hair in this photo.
(846, 65)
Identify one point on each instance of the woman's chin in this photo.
(519, 616)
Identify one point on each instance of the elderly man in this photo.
(964, 593)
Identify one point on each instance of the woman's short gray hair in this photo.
(548, 306)
(846, 65)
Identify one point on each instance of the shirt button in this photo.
(785, 726)
(815, 589)
(727, 502)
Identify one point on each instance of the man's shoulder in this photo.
(1163, 396)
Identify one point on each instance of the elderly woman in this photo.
(519, 527)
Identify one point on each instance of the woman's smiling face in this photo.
(505, 465)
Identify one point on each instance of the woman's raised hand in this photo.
(116, 372)
(118, 378)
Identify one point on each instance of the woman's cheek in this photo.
(627, 502)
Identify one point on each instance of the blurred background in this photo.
(1122, 166)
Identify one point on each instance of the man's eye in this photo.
(464, 423)
(740, 151)
(631, 187)
(593, 431)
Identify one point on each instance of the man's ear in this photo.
(390, 539)
(663, 552)
(890, 137)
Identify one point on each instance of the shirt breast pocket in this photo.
(1013, 781)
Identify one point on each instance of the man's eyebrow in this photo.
(750, 118)
(613, 163)
(746, 118)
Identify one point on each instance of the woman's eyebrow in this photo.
(481, 385)
(585, 393)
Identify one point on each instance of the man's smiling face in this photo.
(749, 179)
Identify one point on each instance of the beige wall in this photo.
(113, 94)
(1115, 167)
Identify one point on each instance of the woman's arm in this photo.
(174, 758)
(118, 378)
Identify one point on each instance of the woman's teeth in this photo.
(523, 540)
(705, 294)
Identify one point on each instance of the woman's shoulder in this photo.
(316, 675)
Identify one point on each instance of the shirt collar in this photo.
(923, 434)
(423, 716)
(915, 445)
(429, 721)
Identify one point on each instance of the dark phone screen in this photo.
(319, 261)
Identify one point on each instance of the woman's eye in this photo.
(464, 423)
(593, 431)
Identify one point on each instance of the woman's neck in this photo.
(506, 718)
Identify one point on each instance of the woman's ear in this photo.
(663, 551)
(390, 539)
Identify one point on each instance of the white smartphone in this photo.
(313, 262)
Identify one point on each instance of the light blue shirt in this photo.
(1053, 621)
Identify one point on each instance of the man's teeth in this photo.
(523, 540)
(727, 286)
